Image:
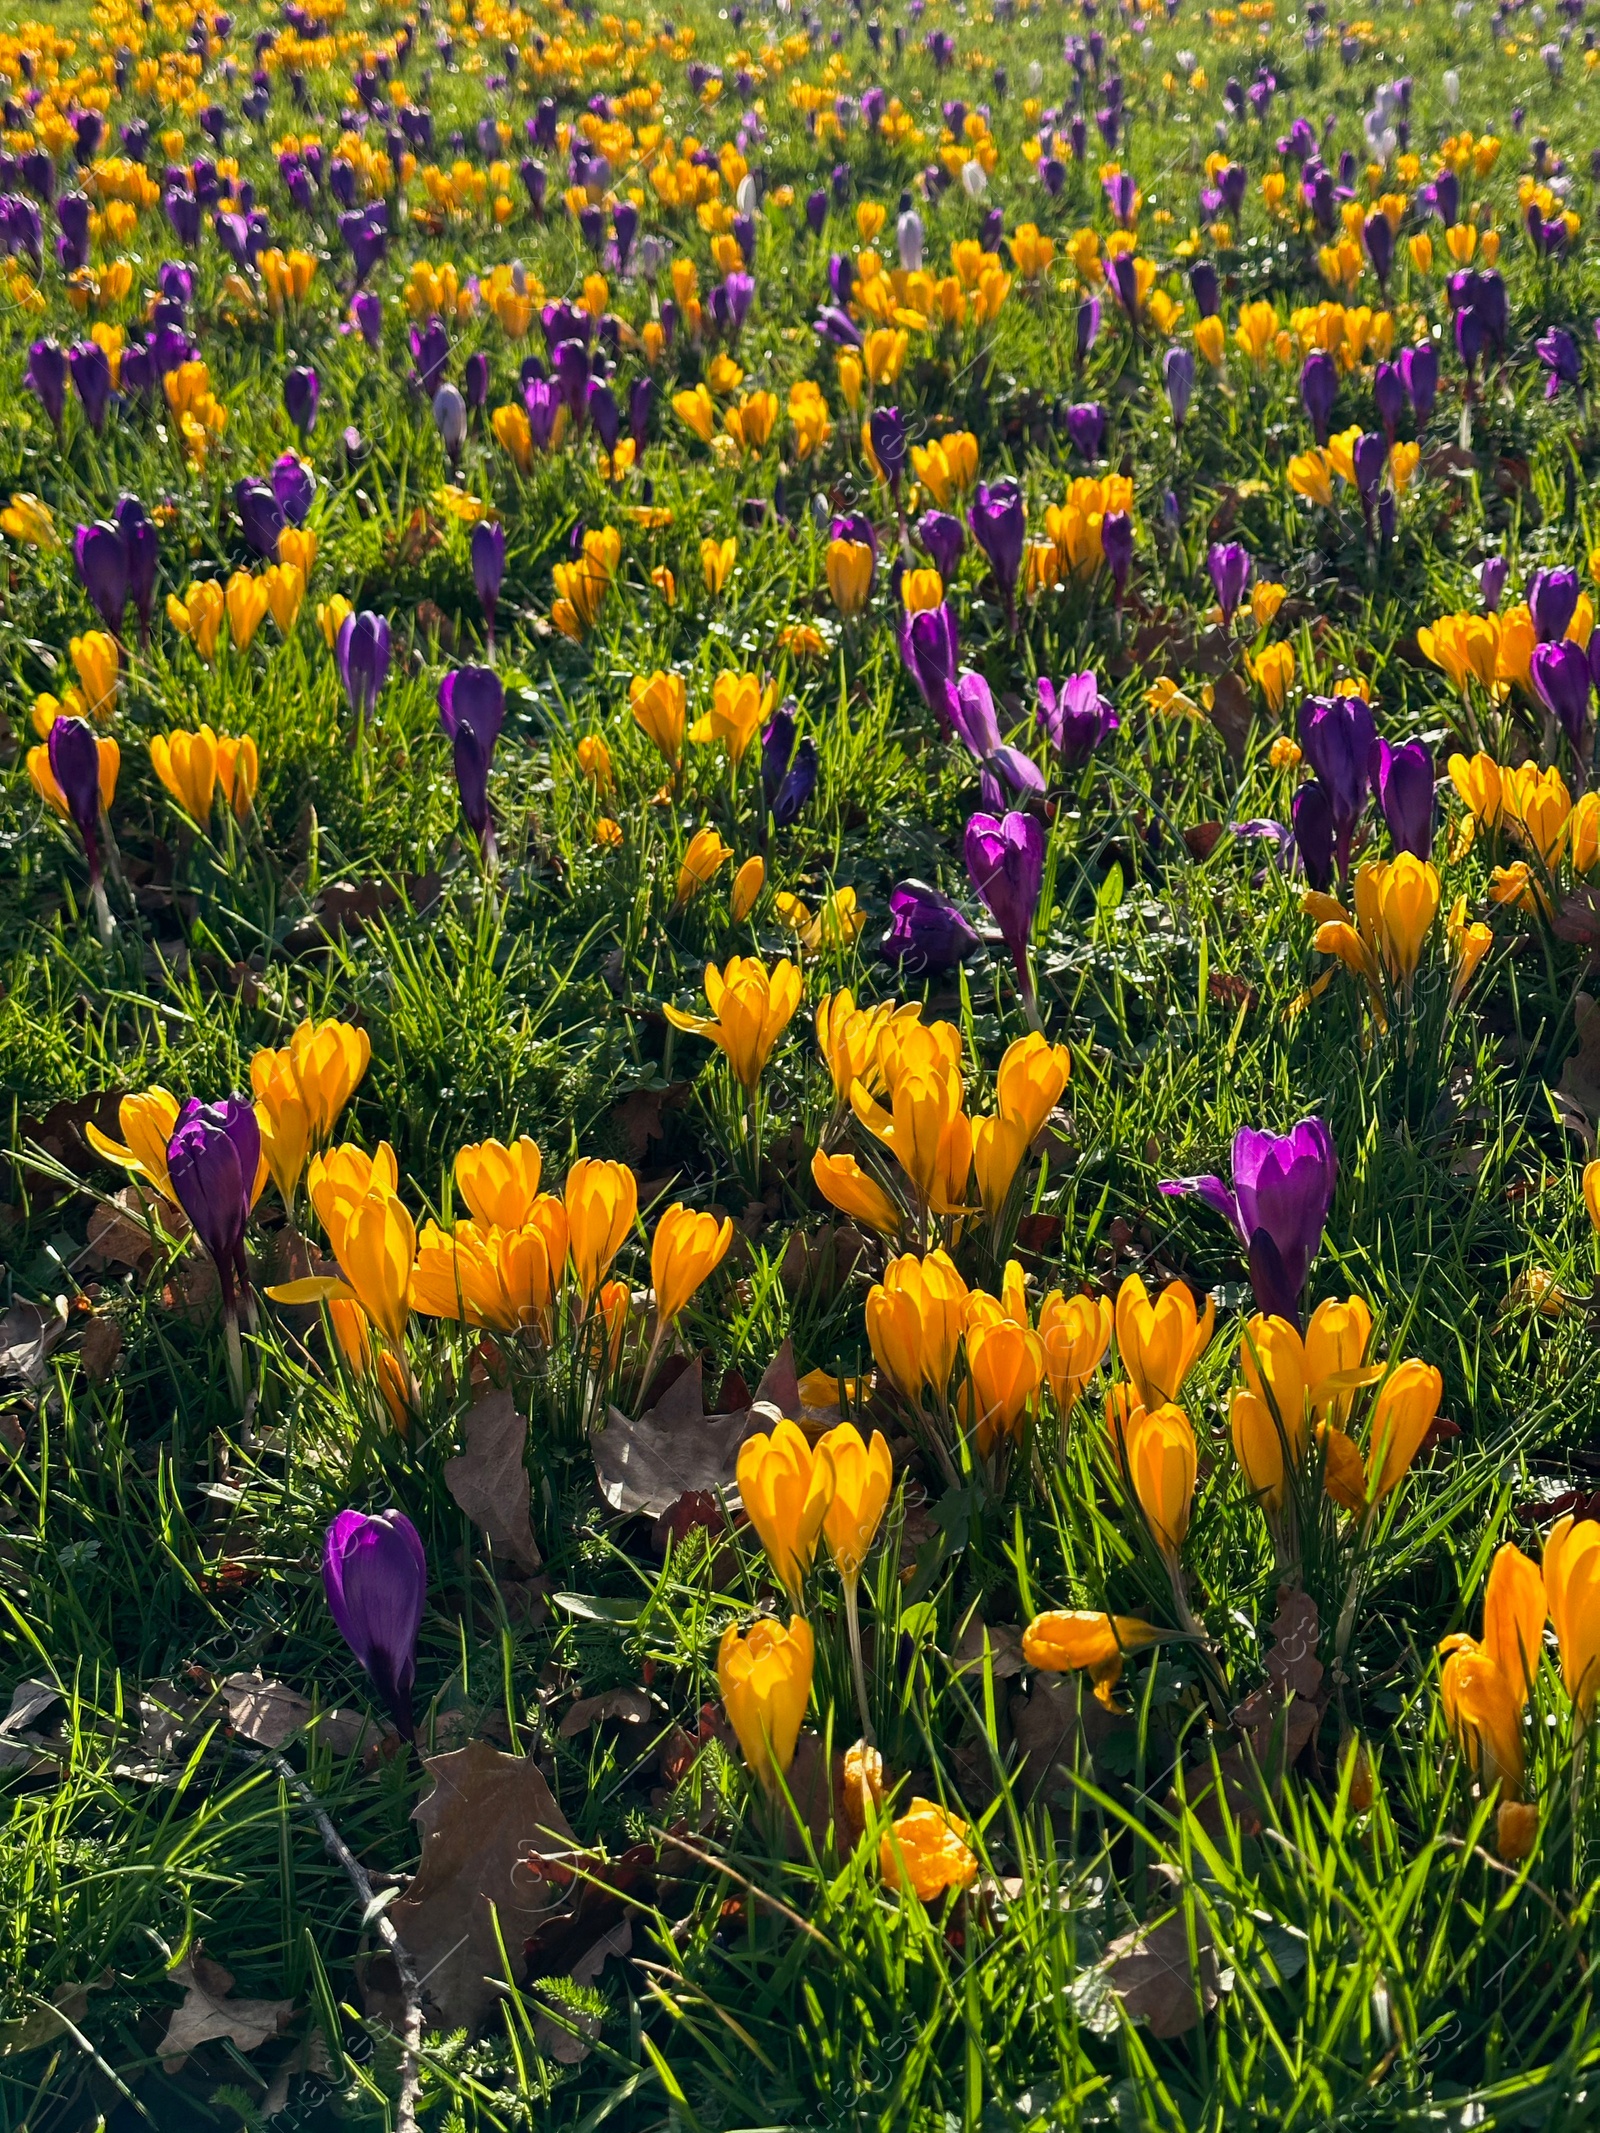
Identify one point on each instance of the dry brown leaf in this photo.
(1047, 1723)
(1151, 1973)
(677, 1449)
(68, 2003)
(632, 1706)
(268, 1713)
(1580, 1077)
(29, 1701)
(490, 1483)
(208, 2012)
(1231, 712)
(486, 1813)
(27, 1339)
(1004, 1641)
(99, 1348)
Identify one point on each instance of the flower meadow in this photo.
(801, 1224)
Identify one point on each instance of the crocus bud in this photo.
(1319, 388)
(471, 713)
(212, 1160)
(1005, 859)
(142, 547)
(450, 419)
(375, 1575)
(1313, 834)
(301, 391)
(928, 934)
(362, 651)
(102, 559)
(488, 568)
(74, 758)
(1561, 676)
(1116, 538)
(1403, 781)
(1552, 602)
(1178, 375)
(46, 379)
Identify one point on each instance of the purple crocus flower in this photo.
(1336, 735)
(1124, 279)
(1088, 331)
(430, 352)
(1367, 457)
(788, 774)
(472, 709)
(941, 535)
(366, 309)
(1561, 676)
(641, 401)
(74, 757)
(362, 652)
(488, 569)
(929, 650)
(1389, 397)
(1419, 367)
(1552, 602)
(301, 391)
(1230, 565)
(102, 559)
(1178, 376)
(141, 545)
(212, 1160)
(1205, 287)
(1402, 778)
(1005, 859)
(91, 379)
(927, 935)
(1319, 388)
(1493, 572)
(46, 379)
(978, 726)
(999, 526)
(1075, 717)
(887, 430)
(261, 515)
(1116, 541)
(375, 1575)
(295, 487)
(1312, 816)
(1379, 240)
(1278, 1206)
(1085, 426)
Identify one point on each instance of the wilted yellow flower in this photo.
(926, 1850)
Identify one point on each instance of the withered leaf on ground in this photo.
(566, 2042)
(1231, 712)
(1004, 1641)
(1580, 1077)
(29, 1702)
(592, 1893)
(268, 1713)
(99, 1348)
(676, 1448)
(208, 2012)
(1152, 1974)
(27, 1339)
(489, 1481)
(1047, 1724)
(632, 1706)
(486, 1814)
(42, 2025)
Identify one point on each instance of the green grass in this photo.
(1365, 1956)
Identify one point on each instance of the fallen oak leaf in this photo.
(490, 1482)
(208, 2013)
(676, 1449)
(486, 1813)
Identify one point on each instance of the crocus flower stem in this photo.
(852, 1623)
